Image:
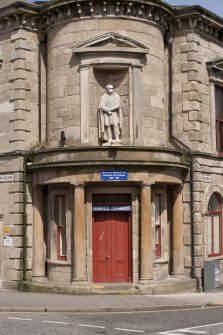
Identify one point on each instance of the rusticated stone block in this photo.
(193, 76)
(194, 56)
(191, 106)
(18, 34)
(21, 64)
(22, 44)
(16, 275)
(191, 86)
(187, 261)
(195, 136)
(191, 66)
(192, 37)
(193, 95)
(195, 116)
(192, 46)
(18, 54)
(198, 227)
(22, 105)
(198, 250)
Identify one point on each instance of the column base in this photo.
(39, 278)
(178, 274)
(79, 281)
(145, 280)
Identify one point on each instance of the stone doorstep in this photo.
(172, 285)
(169, 286)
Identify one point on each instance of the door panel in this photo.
(101, 249)
(120, 249)
(111, 261)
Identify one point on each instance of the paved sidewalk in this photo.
(48, 302)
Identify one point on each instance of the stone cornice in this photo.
(55, 12)
(199, 19)
(169, 19)
(98, 156)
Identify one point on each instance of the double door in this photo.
(111, 247)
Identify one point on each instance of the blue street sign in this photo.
(114, 175)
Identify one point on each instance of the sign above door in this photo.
(111, 208)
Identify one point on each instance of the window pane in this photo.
(214, 203)
(219, 102)
(61, 224)
(209, 236)
(158, 224)
(219, 117)
(216, 221)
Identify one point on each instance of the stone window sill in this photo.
(57, 262)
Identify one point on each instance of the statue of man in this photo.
(110, 117)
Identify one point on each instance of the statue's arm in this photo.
(102, 105)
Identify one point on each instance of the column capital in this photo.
(84, 66)
(146, 184)
(78, 185)
(178, 188)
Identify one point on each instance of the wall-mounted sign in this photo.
(114, 175)
(206, 178)
(6, 177)
(7, 241)
(111, 208)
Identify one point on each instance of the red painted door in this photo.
(111, 245)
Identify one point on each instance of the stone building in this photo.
(140, 211)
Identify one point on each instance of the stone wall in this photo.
(18, 131)
(192, 105)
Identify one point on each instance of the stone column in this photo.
(178, 244)
(85, 103)
(79, 234)
(146, 234)
(39, 246)
(137, 109)
(1, 246)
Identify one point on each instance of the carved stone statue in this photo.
(110, 117)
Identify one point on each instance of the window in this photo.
(219, 118)
(158, 213)
(61, 226)
(214, 226)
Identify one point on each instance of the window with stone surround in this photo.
(219, 118)
(58, 215)
(60, 219)
(214, 226)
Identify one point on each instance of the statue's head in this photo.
(109, 88)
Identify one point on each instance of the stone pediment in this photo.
(111, 42)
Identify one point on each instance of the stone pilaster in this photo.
(39, 247)
(178, 243)
(79, 234)
(137, 110)
(146, 272)
(85, 103)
